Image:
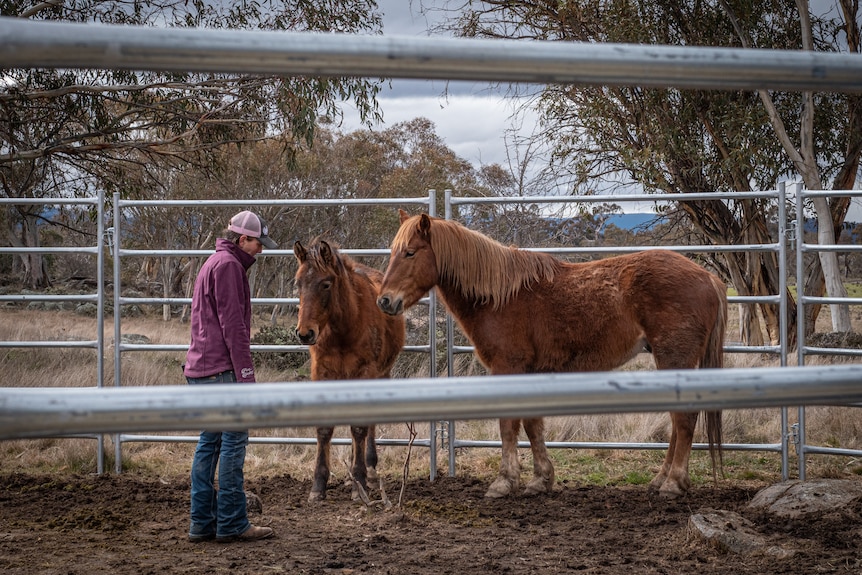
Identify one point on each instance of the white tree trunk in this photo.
(831, 270)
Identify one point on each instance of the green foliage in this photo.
(282, 361)
(103, 121)
(678, 141)
(69, 131)
(637, 477)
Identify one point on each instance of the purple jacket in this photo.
(221, 316)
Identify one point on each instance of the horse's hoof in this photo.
(657, 482)
(372, 474)
(670, 493)
(538, 486)
(315, 496)
(500, 488)
(671, 490)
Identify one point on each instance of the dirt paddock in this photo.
(77, 524)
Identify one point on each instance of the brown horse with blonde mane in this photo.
(348, 338)
(528, 312)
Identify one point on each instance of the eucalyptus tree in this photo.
(404, 160)
(679, 141)
(64, 131)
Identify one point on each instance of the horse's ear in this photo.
(299, 251)
(424, 224)
(403, 215)
(325, 252)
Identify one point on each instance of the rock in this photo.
(134, 338)
(253, 503)
(732, 533)
(87, 309)
(795, 499)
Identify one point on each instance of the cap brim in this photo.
(268, 243)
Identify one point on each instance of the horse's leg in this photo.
(543, 469)
(510, 469)
(321, 469)
(659, 479)
(358, 469)
(371, 453)
(673, 480)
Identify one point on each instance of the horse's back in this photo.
(597, 315)
(661, 283)
(375, 276)
(681, 307)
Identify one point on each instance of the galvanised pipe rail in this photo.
(459, 443)
(48, 250)
(254, 347)
(40, 412)
(26, 44)
(774, 447)
(128, 437)
(597, 198)
(51, 344)
(50, 297)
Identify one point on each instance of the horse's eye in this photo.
(409, 253)
(326, 285)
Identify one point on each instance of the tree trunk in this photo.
(806, 163)
(830, 268)
(35, 266)
(751, 273)
(167, 280)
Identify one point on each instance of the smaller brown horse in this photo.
(348, 338)
(529, 312)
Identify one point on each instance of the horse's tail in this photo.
(714, 358)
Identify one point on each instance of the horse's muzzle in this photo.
(308, 338)
(390, 306)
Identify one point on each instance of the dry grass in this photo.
(826, 426)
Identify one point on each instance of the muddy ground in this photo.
(127, 524)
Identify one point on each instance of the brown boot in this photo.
(253, 533)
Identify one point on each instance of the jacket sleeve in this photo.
(230, 294)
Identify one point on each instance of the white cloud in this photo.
(471, 118)
(472, 126)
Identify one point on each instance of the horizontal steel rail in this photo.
(773, 447)
(49, 250)
(598, 198)
(458, 443)
(31, 297)
(91, 201)
(130, 437)
(39, 412)
(185, 347)
(95, 344)
(25, 43)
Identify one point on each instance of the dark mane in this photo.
(317, 260)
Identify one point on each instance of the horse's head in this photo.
(412, 269)
(315, 280)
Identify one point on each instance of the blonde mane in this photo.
(485, 270)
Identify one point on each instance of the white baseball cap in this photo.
(252, 225)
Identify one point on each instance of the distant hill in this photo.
(635, 221)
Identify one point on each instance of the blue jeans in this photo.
(220, 512)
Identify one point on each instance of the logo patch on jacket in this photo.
(247, 372)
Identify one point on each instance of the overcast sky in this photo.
(470, 118)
